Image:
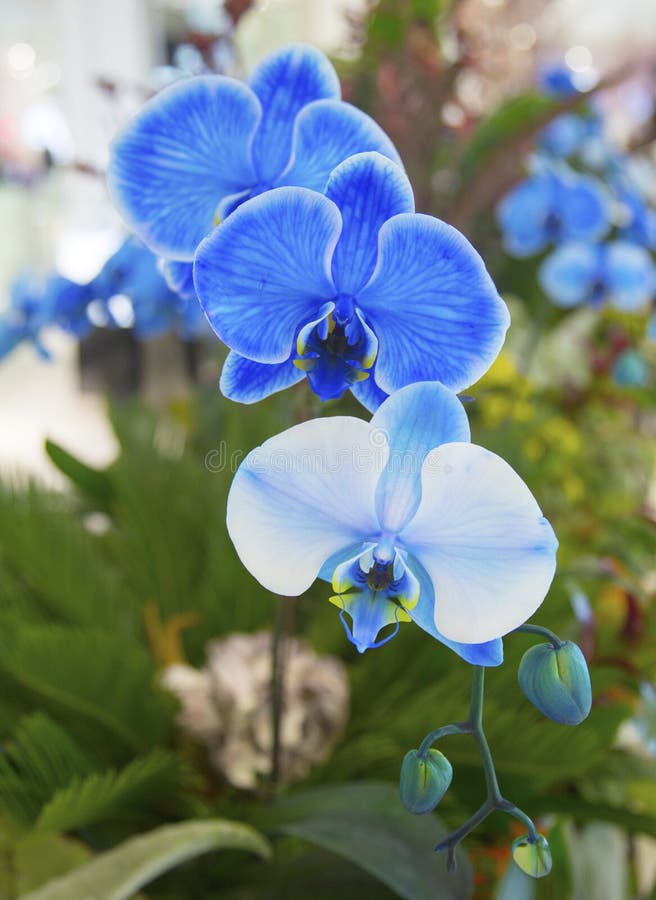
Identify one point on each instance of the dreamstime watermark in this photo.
(376, 457)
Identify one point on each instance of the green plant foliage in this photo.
(48, 782)
(31, 860)
(147, 782)
(95, 679)
(93, 482)
(119, 873)
(519, 118)
(41, 758)
(365, 823)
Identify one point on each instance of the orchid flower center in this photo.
(553, 226)
(597, 292)
(375, 589)
(336, 350)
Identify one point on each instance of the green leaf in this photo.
(119, 873)
(517, 118)
(41, 758)
(366, 824)
(92, 676)
(588, 811)
(102, 795)
(95, 483)
(28, 862)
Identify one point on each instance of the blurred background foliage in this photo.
(130, 571)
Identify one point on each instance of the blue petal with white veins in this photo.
(266, 271)
(285, 82)
(433, 306)
(368, 189)
(368, 393)
(247, 381)
(188, 149)
(326, 133)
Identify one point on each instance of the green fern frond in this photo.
(40, 758)
(93, 678)
(60, 567)
(107, 795)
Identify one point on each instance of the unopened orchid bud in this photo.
(424, 780)
(557, 681)
(532, 855)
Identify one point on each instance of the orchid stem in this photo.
(282, 627)
(543, 632)
(494, 800)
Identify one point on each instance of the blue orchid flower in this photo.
(351, 289)
(404, 517)
(553, 206)
(566, 135)
(69, 302)
(558, 80)
(616, 273)
(640, 227)
(134, 272)
(203, 146)
(30, 311)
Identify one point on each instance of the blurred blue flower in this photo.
(68, 302)
(566, 134)
(133, 274)
(557, 80)
(553, 206)
(640, 227)
(616, 273)
(404, 517)
(630, 369)
(651, 327)
(351, 288)
(30, 311)
(203, 146)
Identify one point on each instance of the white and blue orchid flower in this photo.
(204, 145)
(406, 519)
(350, 287)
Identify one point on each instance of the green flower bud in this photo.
(424, 781)
(557, 681)
(532, 857)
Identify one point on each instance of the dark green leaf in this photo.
(366, 824)
(95, 483)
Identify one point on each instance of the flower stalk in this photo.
(494, 800)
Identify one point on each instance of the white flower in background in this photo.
(227, 706)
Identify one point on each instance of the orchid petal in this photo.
(484, 542)
(301, 497)
(186, 150)
(368, 189)
(432, 305)
(285, 82)
(266, 271)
